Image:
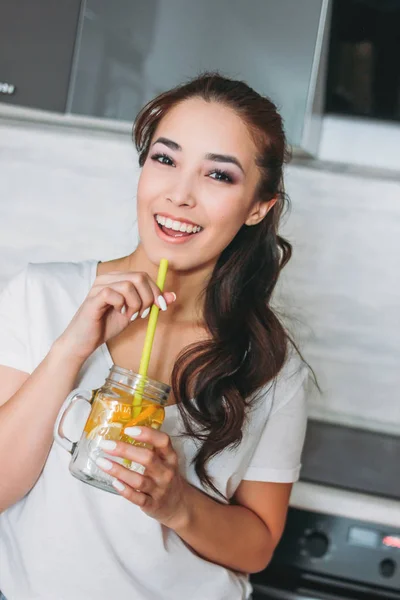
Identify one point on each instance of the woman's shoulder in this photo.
(60, 271)
(290, 384)
(51, 280)
(294, 369)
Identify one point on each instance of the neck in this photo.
(187, 285)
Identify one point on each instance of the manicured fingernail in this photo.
(174, 295)
(162, 303)
(118, 485)
(137, 468)
(107, 444)
(132, 431)
(145, 313)
(135, 316)
(123, 310)
(103, 463)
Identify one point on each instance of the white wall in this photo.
(360, 141)
(65, 194)
(69, 195)
(343, 283)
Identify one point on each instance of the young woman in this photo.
(211, 505)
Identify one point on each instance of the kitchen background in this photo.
(73, 76)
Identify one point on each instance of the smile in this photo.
(171, 232)
(175, 228)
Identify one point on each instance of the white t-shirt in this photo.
(66, 540)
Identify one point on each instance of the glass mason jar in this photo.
(126, 399)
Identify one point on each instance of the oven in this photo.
(326, 557)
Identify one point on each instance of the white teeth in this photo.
(177, 225)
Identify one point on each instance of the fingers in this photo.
(107, 297)
(139, 483)
(158, 439)
(170, 297)
(138, 299)
(157, 477)
(155, 461)
(138, 498)
(145, 457)
(142, 282)
(138, 289)
(156, 491)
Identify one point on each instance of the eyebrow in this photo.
(167, 142)
(226, 158)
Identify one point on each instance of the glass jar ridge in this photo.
(129, 381)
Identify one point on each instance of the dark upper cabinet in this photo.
(37, 39)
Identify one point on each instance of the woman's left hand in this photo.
(160, 490)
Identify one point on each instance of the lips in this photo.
(181, 225)
(173, 236)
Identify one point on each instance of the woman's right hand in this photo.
(112, 303)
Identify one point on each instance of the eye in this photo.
(163, 159)
(221, 176)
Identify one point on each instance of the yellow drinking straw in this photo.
(148, 342)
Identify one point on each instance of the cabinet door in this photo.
(37, 39)
(131, 50)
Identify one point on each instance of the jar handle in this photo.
(68, 404)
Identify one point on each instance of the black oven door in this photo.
(292, 585)
(327, 557)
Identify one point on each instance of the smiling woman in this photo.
(214, 151)
(208, 504)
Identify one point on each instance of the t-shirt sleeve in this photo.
(277, 457)
(14, 350)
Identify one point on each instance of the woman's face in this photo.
(197, 185)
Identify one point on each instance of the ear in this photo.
(258, 211)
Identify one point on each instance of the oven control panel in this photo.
(346, 549)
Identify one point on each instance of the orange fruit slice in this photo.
(143, 416)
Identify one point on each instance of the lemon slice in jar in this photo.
(109, 432)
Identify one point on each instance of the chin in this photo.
(179, 260)
(175, 263)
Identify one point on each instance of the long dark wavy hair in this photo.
(248, 344)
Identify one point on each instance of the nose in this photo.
(183, 192)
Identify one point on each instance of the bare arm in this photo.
(240, 536)
(27, 420)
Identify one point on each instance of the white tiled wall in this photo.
(67, 194)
